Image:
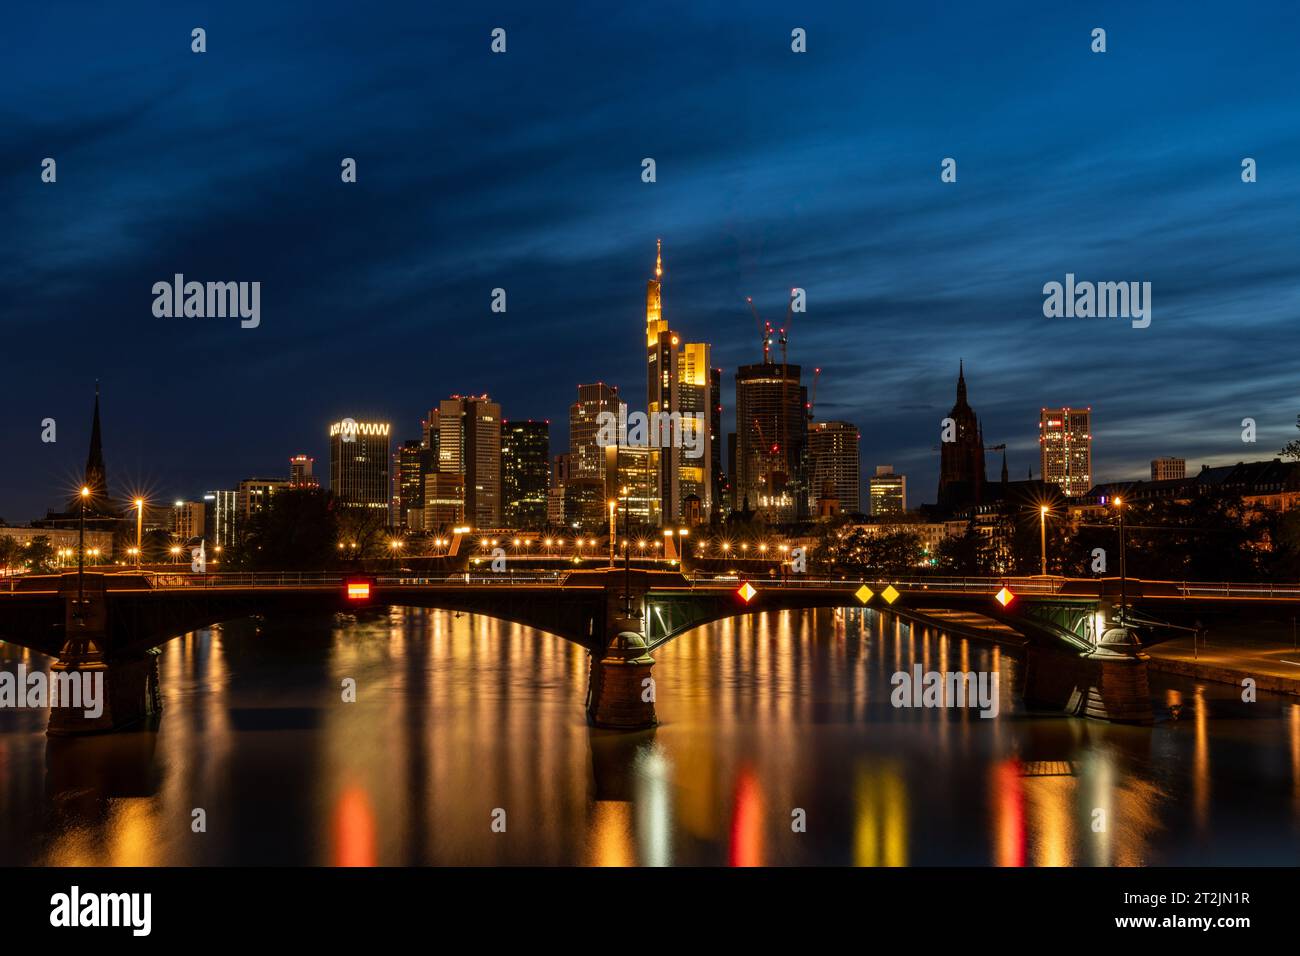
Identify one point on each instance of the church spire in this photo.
(961, 382)
(96, 476)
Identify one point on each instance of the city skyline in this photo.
(905, 274)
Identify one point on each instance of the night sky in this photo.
(523, 171)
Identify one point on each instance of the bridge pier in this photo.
(124, 690)
(1107, 683)
(620, 690)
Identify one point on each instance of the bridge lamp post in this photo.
(139, 528)
(81, 553)
(613, 533)
(1042, 534)
(176, 551)
(1123, 569)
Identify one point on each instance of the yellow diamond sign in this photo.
(747, 591)
(864, 594)
(889, 594)
(1004, 597)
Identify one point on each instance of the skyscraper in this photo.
(961, 456)
(888, 492)
(833, 461)
(469, 444)
(662, 380)
(587, 457)
(221, 518)
(300, 472)
(717, 477)
(695, 401)
(525, 473)
(771, 441)
(444, 500)
(409, 479)
(1065, 446)
(359, 467)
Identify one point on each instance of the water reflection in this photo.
(460, 721)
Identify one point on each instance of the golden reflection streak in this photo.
(880, 834)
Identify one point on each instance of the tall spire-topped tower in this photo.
(662, 394)
(96, 476)
(961, 461)
(654, 308)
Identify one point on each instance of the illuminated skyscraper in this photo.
(469, 443)
(1065, 444)
(717, 477)
(695, 457)
(300, 472)
(663, 383)
(359, 468)
(771, 441)
(409, 485)
(833, 463)
(888, 492)
(221, 518)
(587, 458)
(525, 473)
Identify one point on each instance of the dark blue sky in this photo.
(523, 171)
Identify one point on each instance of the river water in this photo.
(777, 744)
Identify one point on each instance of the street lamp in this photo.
(613, 504)
(1123, 570)
(139, 528)
(1042, 534)
(81, 552)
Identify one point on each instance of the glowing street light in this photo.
(139, 529)
(1042, 532)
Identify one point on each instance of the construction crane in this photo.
(812, 401)
(764, 331)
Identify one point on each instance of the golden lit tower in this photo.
(662, 388)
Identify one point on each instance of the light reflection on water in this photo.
(458, 718)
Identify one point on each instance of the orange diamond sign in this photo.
(864, 594)
(747, 591)
(889, 594)
(1004, 597)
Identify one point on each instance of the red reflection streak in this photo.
(747, 822)
(354, 824)
(1011, 814)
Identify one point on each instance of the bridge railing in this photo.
(271, 579)
(1024, 585)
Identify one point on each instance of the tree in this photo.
(296, 530)
(963, 554)
(861, 550)
(1292, 448)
